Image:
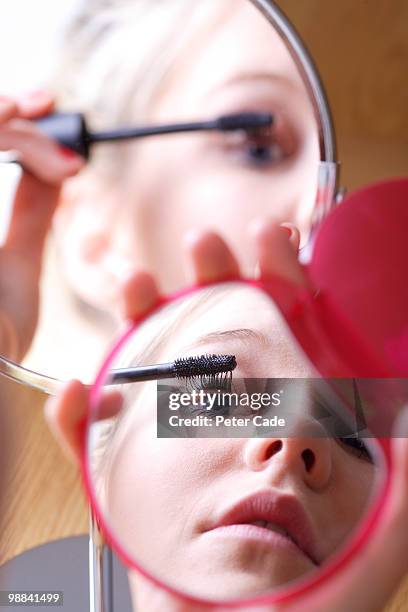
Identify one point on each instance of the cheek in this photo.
(164, 473)
(187, 185)
(193, 181)
(200, 190)
(201, 197)
(346, 501)
(357, 479)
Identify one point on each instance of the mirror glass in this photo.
(234, 483)
(150, 63)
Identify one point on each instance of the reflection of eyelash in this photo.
(354, 442)
(221, 380)
(350, 440)
(357, 446)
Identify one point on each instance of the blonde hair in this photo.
(117, 57)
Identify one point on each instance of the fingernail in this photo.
(287, 229)
(68, 153)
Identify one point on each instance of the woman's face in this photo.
(233, 517)
(235, 62)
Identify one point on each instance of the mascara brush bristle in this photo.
(205, 365)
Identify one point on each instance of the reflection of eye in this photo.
(260, 149)
(263, 148)
(357, 447)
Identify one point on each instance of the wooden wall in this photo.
(361, 50)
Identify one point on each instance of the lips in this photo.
(272, 512)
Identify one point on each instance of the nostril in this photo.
(308, 459)
(272, 449)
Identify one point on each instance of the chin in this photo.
(230, 585)
(240, 572)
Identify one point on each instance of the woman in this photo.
(47, 167)
(133, 204)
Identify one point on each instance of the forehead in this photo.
(242, 321)
(235, 40)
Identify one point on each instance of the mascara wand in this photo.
(186, 367)
(71, 130)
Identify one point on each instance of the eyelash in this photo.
(357, 447)
(221, 382)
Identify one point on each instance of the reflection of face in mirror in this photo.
(135, 203)
(225, 518)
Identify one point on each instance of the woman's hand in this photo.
(45, 166)
(368, 582)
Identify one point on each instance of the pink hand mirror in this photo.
(237, 450)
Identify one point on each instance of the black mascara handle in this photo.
(69, 129)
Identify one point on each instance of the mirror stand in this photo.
(100, 570)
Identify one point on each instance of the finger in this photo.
(293, 233)
(9, 341)
(65, 414)
(22, 255)
(37, 153)
(8, 109)
(29, 106)
(33, 209)
(276, 252)
(210, 258)
(110, 404)
(35, 104)
(139, 295)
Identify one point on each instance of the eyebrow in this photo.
(243, 334)
(267, 77)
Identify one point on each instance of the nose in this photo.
(308, 458)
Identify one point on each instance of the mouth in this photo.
(271, 527)
(277, 520)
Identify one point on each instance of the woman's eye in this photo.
(263, 148)
(263, 153)
(258, 150)
(357, 447)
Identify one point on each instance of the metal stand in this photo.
(100, 570)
